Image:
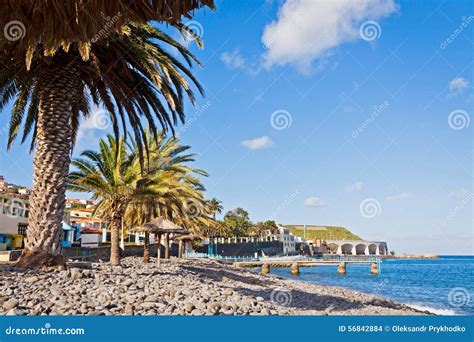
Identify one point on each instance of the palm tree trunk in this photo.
(116, 224)
(167, 246)
(180, 249)
(158, 252)
(146, 248)
(59, 84)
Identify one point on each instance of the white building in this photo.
(288, 239)
(12, 212)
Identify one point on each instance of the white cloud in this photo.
(314, 202)
(459, 193)
(258, 143)
(233, 60)
(306, 30)
(399, 197)
(458, 85)
(355, 187)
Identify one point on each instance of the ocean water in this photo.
(444, 286)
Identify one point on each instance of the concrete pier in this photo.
(265, 268)
(295, 269)
(341, 268)
(374, 268)
(295, 265)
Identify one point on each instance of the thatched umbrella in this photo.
(185, 238)
(159, 226)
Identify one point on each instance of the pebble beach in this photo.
(177, 287)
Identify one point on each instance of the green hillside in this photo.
(326, 233)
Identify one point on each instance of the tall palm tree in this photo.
(215, 206)
(127, 69)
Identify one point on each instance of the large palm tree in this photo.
(172, 185)
(126, 69)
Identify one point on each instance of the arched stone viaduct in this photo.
(359, 247)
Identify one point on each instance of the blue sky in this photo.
(347, 113)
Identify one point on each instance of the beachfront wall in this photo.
(359, 247)
(102, 253)
(242, 249)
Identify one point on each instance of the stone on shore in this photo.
(177, 287)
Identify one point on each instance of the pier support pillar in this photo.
(295, 269)
(374, 268)
(341, 268)
(265, 268)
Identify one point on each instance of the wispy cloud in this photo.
(459, 193)
(458, 85)
(307, 30)
(355, 187)
(258, 143)
(314, 202)
(400, 197)
(233, 59)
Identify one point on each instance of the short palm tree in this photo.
(114, 178)
(126, 69)
(215, 206)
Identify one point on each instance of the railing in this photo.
(351, 258)
(233, 258)
(196, 255)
